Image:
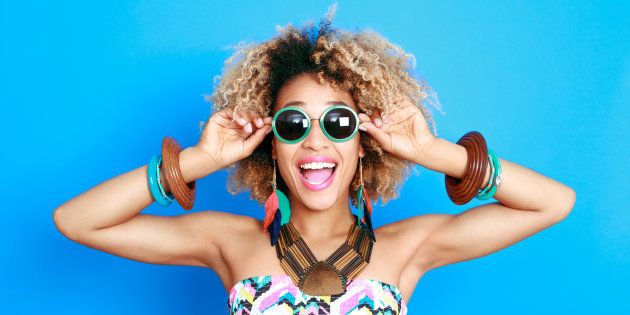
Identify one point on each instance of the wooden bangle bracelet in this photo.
(461, 191)
(183, 193)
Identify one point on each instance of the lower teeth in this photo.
(315, 183)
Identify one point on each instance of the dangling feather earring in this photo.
(275, 219)
(364, 204)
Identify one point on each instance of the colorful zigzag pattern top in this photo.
(277, 294)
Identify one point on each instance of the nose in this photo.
(316, 139)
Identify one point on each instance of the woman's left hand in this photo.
(404, 133)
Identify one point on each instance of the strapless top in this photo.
(277, 294)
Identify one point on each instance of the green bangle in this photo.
(495, 178)
(492, 175)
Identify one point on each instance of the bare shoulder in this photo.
(240, 245)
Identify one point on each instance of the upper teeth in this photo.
(317, 165)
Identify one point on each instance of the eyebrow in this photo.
(300, 103)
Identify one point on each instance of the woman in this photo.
(314, 120)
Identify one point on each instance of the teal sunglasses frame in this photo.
(321, 123)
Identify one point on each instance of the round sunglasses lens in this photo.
(340, 123)
(291, 124)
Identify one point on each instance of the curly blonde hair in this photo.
(372, 69)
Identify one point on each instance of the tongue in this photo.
(317, 176)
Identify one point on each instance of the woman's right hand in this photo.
(229, 137)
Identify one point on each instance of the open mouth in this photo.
(317, 175)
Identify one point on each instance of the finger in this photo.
(239, 119)
(381, 117)
(226, 112)
(384, 117)
(376, 119)
(258, 121)
(256, 138)
(224, 118)
(246, 121)
(252, 117)
(254, 120)
(364, 118)
(381, 136)
(267, 120)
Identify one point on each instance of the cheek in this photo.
(283, 151)
(284, 159)
(350, 156)
(350, 149)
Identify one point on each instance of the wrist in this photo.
(424, 158)
(193, 165)
(443, 156)
(199, 163)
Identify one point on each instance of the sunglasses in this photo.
(339, 123)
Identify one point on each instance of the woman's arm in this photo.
(107, 217)
(528, 203)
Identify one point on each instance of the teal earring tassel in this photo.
(285, 208)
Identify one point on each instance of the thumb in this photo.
(256, 138)
(377, 133)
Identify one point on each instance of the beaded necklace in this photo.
(329, 276)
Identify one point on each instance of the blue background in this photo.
(88, 91)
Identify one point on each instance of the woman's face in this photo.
(317, 189)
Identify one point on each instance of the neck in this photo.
(322, 223)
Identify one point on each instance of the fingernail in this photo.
(242, 121)
(259, 122)
(248, 128)
(362, 128)
(378, 122)
(268, 131)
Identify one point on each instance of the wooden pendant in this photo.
(322, 279)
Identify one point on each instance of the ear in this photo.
(361, 151)
(273, 149)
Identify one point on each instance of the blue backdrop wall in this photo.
(88, 91)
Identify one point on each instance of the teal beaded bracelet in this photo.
(495, 177)
(493, 173)
(163, 193)
(155, 183)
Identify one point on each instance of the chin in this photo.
(319, 203)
